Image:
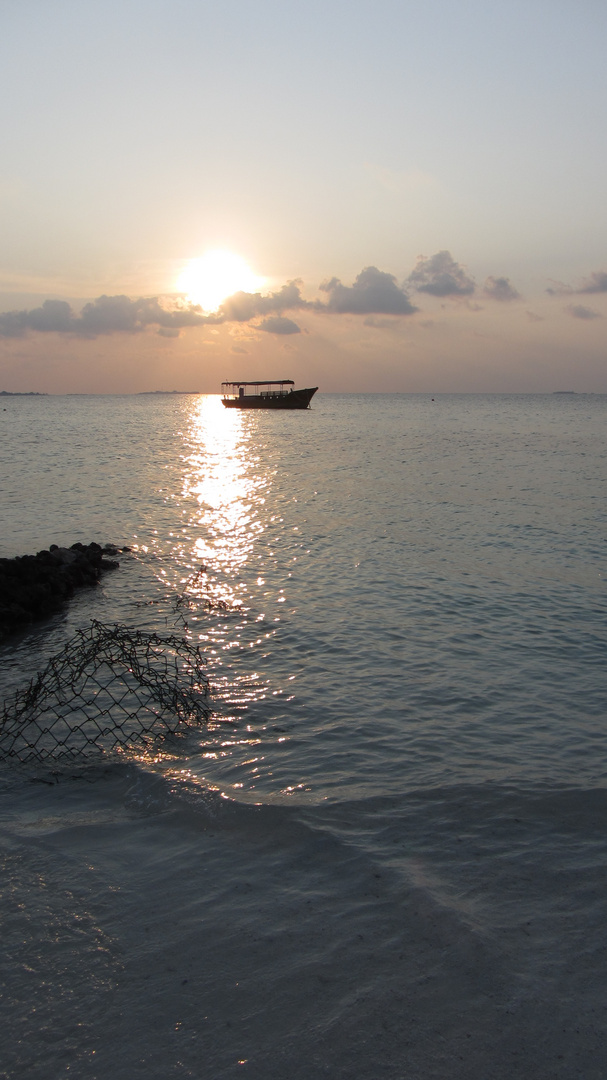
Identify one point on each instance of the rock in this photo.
(33, 587)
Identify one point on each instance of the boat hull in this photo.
(295, 399)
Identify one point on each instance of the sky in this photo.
(416, 191)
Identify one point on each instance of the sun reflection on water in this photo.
(224, 488)
(217, 555)
(221, 476)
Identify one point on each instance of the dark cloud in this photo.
(500, 289)
(441, 275)
(105, 315)
(596, 283)
(278, 324)
(54, 315)
(169, 314)
(580, 312)
(533, 317)
(108, 315)
(373, 293)
(288, 297)
(242, 307)
(121, 315)
(13, 323)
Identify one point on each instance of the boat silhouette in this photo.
(276, 394)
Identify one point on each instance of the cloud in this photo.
(500, 289)
(558, 288)
(441, 275)
(597, 283)
(108, 315)
(381, 324)
(54, 315)
(105, 315)
(278, 324)
(580, 312)
(242, 307)
(533, 317)
(121, 315)
(289, 296)
(373, 293)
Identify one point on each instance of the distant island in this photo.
(564, 391)
(141, 393)
(21, 393)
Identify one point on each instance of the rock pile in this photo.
(35, 586)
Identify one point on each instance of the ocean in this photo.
(384, 856)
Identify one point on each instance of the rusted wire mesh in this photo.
(111, 689)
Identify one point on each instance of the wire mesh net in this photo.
(111, 689)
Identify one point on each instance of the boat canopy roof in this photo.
(260, 382)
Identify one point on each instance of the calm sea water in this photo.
(386, 855)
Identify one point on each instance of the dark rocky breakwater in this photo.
(32, 587)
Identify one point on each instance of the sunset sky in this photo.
(404, 196)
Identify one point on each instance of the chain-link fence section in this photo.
(111, 689)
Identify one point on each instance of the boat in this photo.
(266, 394)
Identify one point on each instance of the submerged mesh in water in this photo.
(112, 688)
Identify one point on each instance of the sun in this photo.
(214, 276)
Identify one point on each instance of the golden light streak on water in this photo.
(220, 476)
(223, 488)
